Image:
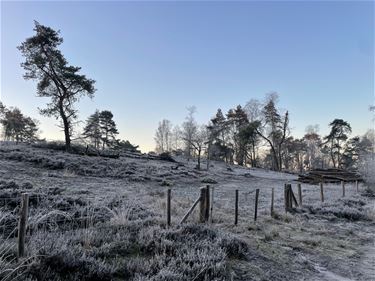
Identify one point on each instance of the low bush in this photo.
(136, 250)
(166, 156)
(350, 209)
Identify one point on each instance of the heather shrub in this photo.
(136, 250)
(350, 209)
(367, 170)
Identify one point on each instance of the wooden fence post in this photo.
(299, 194)
(22, 225)
(356, 185)
(207, 204)
(236, 207)
(293, 198)
(202, 204)
(343, 188)
(288, 197)
(272, 200)
(321, 191)
(256, 204)
(168, 207)
(212, 203)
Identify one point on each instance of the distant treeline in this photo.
(258, 135)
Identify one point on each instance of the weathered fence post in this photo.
(22, 225)
(236, 207)
(356, 185)
(272, 200)
(299, 194)
(168, 207)
(202, 204)
(343, 188)
(207, 204)
(321, 191)
(212, 203)
(288, 197)
(293, 198)
(256, 204)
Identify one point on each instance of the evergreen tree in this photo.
(92, 130)
(217, 137)
(57, 80)
(16, 126)
(249, 138)
(355, 150)
(125, 145)
(335, 140)
(108, 128)
(237, 120)
(273, 129)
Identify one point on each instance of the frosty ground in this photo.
(104, 219)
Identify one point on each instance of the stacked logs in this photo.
(329, 175)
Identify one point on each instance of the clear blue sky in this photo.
(152, 59)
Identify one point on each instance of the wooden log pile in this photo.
(329, 175)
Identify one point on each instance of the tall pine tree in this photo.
(57, 80)
(92, 129)
(108, 129)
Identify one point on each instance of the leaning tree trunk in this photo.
(66, 125)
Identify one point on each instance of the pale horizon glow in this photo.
(151, 60)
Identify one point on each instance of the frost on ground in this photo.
(95, 218)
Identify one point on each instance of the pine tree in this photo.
(92, 129)
(237, 120)
(58, 80)
(273, 129)
(16, 126)
(107, 128)
(335, 140)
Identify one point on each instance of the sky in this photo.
(151, 60)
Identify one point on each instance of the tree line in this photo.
(258, 135)
(16, 126)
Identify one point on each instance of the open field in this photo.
(95, 218)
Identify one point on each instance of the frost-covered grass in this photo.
(367, 169)
(104, 219)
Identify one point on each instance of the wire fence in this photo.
(50, 211)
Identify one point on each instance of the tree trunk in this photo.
(208, 156)
(199, 159)
(254, 161)
(67, 135)
(332, 155)
(275, 159)
(338, 155)
(66, 128)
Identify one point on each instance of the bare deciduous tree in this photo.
(189, 129)
(198, 142)
(163, 136)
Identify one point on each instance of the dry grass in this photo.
(105, 220)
